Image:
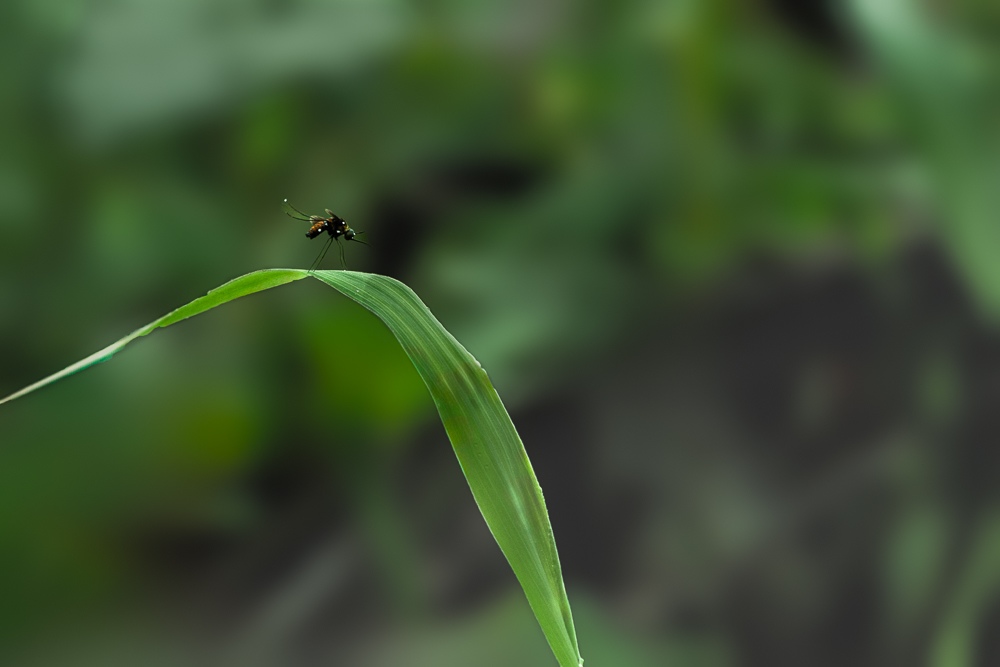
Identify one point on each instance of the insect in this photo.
(333, 225)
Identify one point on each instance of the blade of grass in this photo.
(487, 445)
(485, 441)
(234, 289)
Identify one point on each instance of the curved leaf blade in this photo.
(234, 289)
(488, 447)
(485, 441)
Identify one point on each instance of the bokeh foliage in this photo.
(730, 265)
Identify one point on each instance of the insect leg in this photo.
(343, 262)
(322, 254)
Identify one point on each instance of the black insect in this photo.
(333, 225)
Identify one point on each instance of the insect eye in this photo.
(349, 234)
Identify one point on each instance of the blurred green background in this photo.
(733, 267)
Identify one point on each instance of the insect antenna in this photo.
(300, 216)
(357, 240)
(322, 254)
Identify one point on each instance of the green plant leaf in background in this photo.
(484, 438)
(947, 101)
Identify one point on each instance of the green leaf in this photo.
(234, 289)
(487, 445)
(944, 94)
